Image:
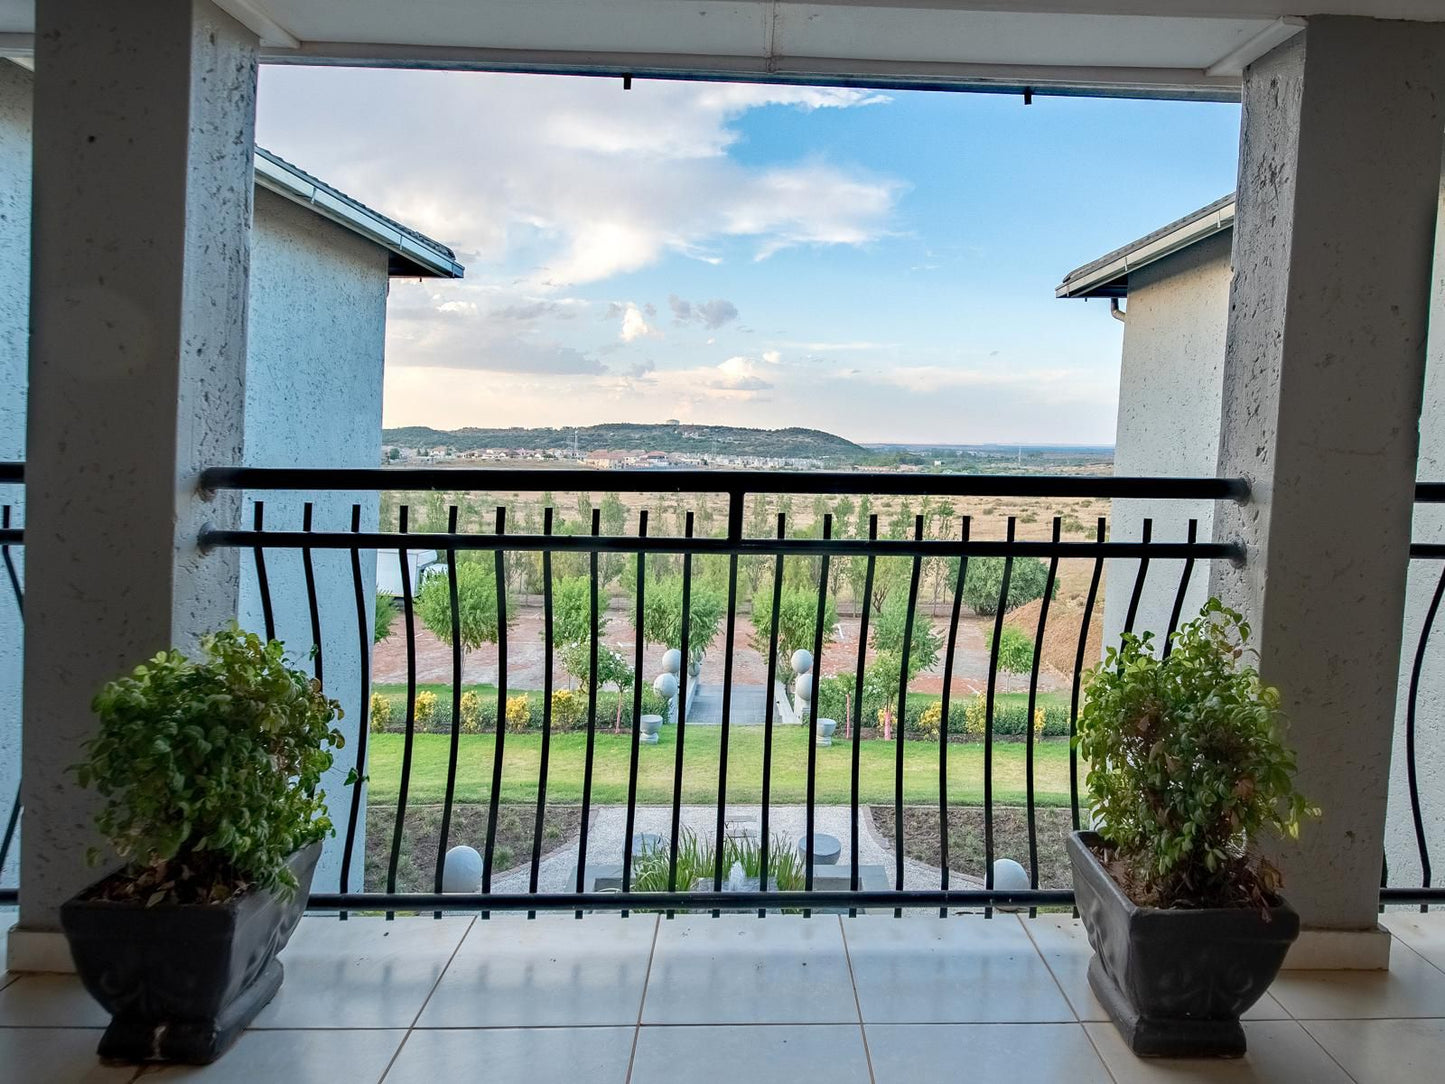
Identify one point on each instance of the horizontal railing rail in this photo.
(836, 483)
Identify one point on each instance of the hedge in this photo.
(479, 711)
(1009, 717)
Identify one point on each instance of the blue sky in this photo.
(880, 265)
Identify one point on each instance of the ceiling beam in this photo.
(255, 18)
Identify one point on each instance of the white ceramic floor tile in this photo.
(53, 1055)
(515, 973)
(1423, 933)
(504, 1055)
(1412, 987)
(738, 969)
(361, 973)
(50, 1001)
(1384, 1051)
(310, 1056)
(955, 970)
(1017, 1053)
(1280, 1052)
(1064, 945)
(759, 1054)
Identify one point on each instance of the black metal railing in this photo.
(264, 540)
(1427, 494)
(12, 536)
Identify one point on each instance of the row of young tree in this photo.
(936, 518)
(572, 628)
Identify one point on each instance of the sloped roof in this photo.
(413, 254)
(1108, 276)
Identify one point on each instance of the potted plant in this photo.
(209, 770)
(1187, 772)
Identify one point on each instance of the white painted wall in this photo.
(1169, 408)
(313, 398)
(14, 345)
(1170, 383)
(317, 321)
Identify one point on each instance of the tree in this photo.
(984, 582)
(476, 605)
(797, 622)
(889, 626)
(1015, 650)
(393, 454)
(662, 615)
(383, 614)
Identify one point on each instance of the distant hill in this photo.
(698, 439)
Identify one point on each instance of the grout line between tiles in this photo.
(1315, 1039)
(1049, 968)
(642, 1001)
(857, 1001)
(1098, 1053)
(471, 924)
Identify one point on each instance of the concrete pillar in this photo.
(1324, 366)
(144, 124)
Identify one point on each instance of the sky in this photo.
(880, 265)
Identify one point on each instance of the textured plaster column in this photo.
(1338, 181)
(144, 127)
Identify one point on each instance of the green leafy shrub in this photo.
(1188, 768)
(209, 769)
(382, 615)
(1015, 650)
(380, 712)
(471, 712)
(984, 582)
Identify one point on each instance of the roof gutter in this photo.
(419, 259)
(1104, 280)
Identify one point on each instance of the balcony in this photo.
(649, 999)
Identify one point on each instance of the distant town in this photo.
(675, 445)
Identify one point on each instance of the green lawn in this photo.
(700, 769)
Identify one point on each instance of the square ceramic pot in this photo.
(1175, 981)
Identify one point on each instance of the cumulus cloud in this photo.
(568, 177)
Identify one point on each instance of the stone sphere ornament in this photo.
(1009, 876)
(803, 687)
(665, 685)
(672, 660)
(802, 661)
(462, 870)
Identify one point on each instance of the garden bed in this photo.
(416, 866)
(966, 844)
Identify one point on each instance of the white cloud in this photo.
(635, 325)
(772, 357)
(568, 180)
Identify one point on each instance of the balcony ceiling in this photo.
(1166, 48)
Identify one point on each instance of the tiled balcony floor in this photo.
(704, 1000)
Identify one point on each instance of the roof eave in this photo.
(1109, 275)
(409, 257)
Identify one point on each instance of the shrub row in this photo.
(965, 713)
(523, 711)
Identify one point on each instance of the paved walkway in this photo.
(608, 829)
(749, 704)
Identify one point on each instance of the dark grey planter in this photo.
(1175, 981)
(181, 982)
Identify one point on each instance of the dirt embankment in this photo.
(1061, 634)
